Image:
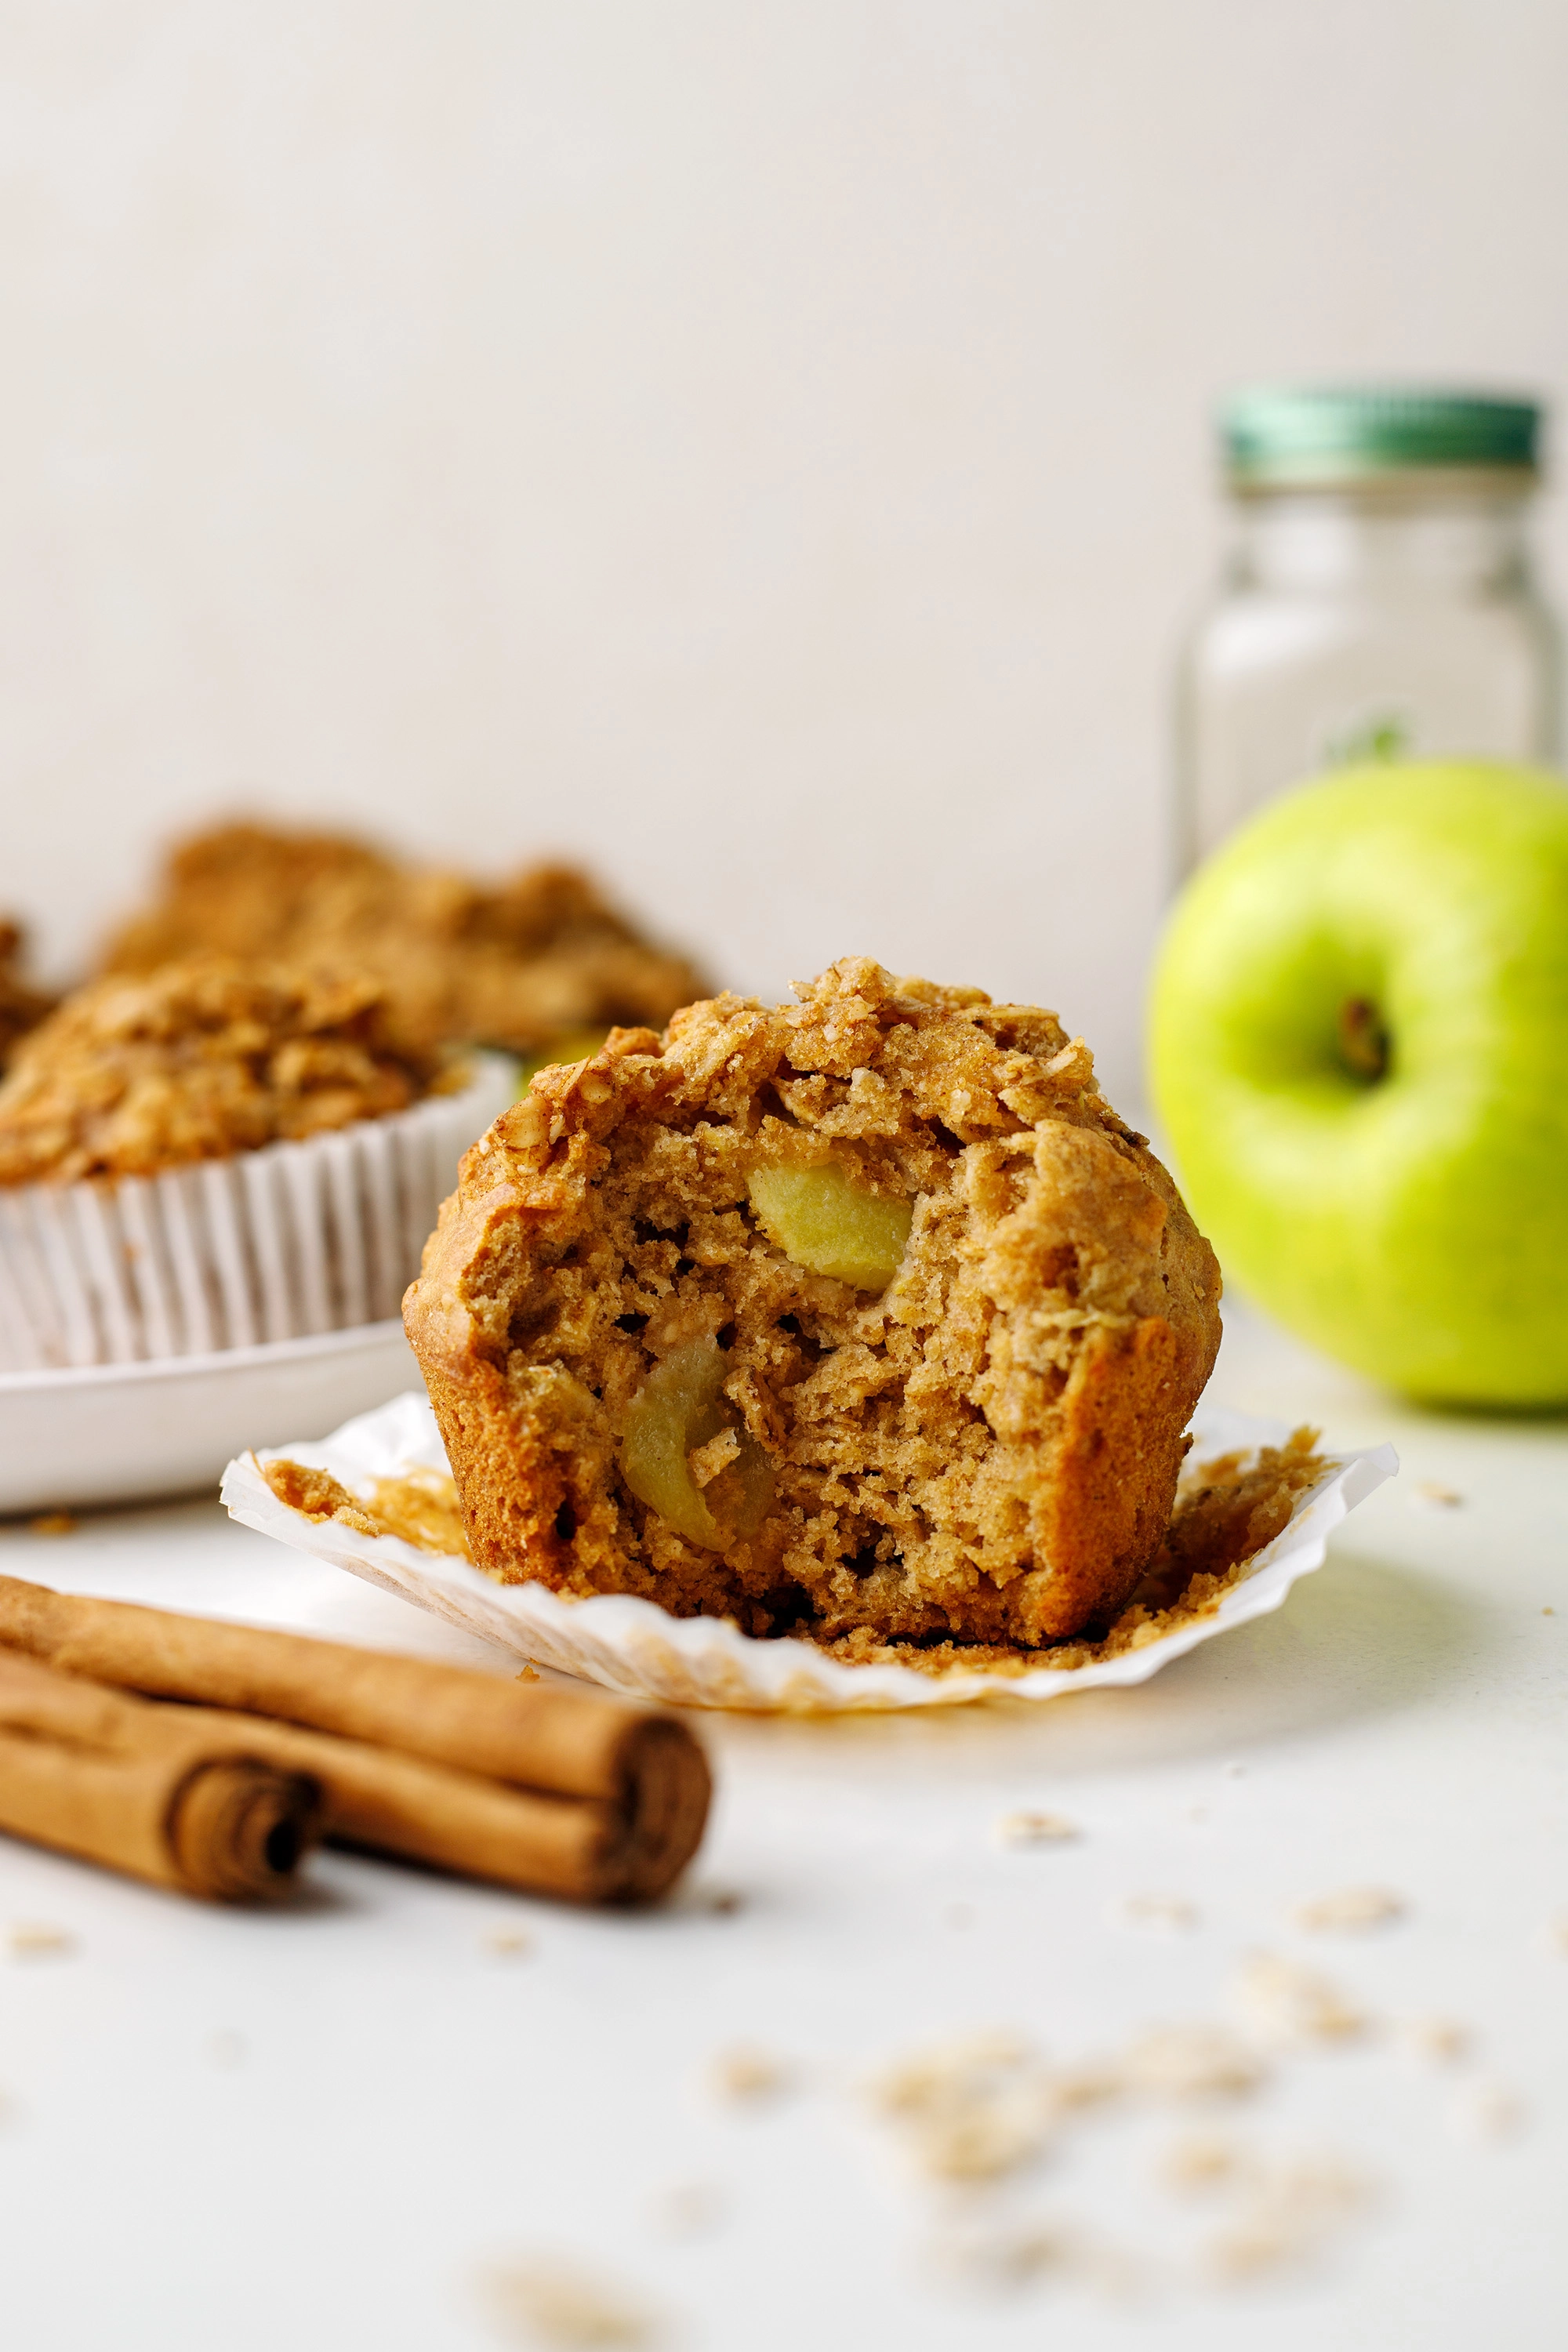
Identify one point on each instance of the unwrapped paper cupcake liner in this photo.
(632, 1646)
(283, 1243)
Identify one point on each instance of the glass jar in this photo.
(1377, 600)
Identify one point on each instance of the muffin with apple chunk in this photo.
(863, 1312)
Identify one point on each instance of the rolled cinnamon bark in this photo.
(641, 1778)
(185, 1801)
(579, 1848)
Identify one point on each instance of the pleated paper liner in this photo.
(286, 1242)
(631, 1646)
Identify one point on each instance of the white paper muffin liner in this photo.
(284, 1242)
(631, 1646)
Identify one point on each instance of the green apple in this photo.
(1359, 1052)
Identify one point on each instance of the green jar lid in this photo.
(1277, 435)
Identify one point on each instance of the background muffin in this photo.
(222, 1153)
(538, 959)
(200, 1059)
(22, 1007)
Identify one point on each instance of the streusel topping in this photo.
(519, 965)
(201, 1059)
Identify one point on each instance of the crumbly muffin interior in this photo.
(520, 965)
(865, 1312)
(198, 1060)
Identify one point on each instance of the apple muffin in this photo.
(865, 1312)
(539, 964)
(199, 1060)
(221, 1154)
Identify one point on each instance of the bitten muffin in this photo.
(538, 959)
(199, 1060)
(864, 1312)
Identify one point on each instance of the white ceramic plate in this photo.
(121, 1432)
(635, 1647)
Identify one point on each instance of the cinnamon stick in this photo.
(185, 1801)
(637, 1781)
(578, 1848)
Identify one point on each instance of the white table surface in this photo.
(316, 2128)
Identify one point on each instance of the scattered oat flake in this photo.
(1437, 2041)
(982, 2141)
(53, 1523)
(913, 2084)
(971, 2110)
(748, 2075)
(1026, 1828)
(687, 2210)
(1168, 1915)
(1255, 2247)
(1071, 2089)
(506, 1943)
(1289, 2004)
(1120, 2275)
(1487, 2112)
(1432, 1494)
(1193, 2062)
(33, 1940)
(530, 1675)
(1324, 2186)
(1291, 2212)
(1196, 2166)
(1003, 2260)
(1258, 2245)
(555, 2302)
(1351, 1911)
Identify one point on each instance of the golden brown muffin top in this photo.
(196, 1061)
(517, 966)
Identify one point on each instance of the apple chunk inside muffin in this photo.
(865, 1312)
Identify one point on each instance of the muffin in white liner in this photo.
(632, 1646)
(285, 1242)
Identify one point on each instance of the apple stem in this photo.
(1363, 1040)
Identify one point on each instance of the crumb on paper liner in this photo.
(1255, 1512)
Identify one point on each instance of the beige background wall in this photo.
(761, 447)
